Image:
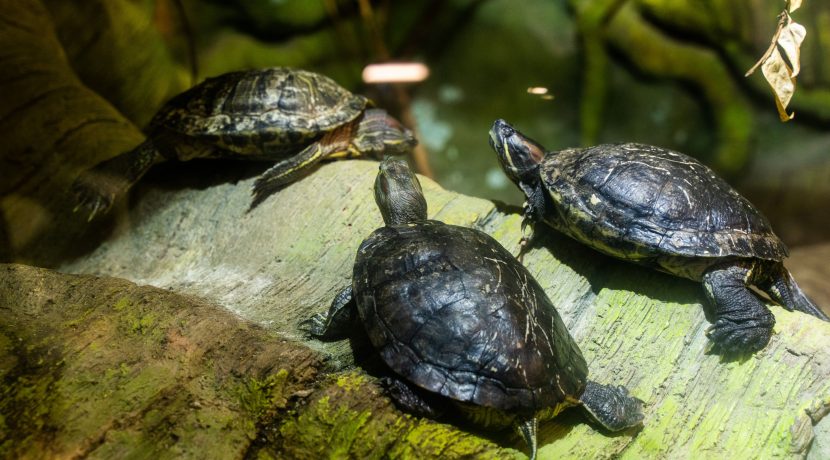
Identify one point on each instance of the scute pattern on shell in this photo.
(453, 312)
(277, 102)
(643, 201)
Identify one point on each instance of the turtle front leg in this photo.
(337, 323)
(533, 212)
(96, 188)
(410, 399)
(286, 172)
(611, 407)
(743, 324)
(782, 288)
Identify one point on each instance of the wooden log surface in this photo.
(286, 259)
(102, 368)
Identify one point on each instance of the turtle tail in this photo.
(783, 289)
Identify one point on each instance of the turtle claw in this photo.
(410, 400)
(525, 241)
(91, 198)
(730, 338)
(313, 327)
(611, 406)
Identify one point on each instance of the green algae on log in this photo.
(104, 368)
(286, 259)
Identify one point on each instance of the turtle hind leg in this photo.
(743, 323)
(96, 188)
(286, 172)
(611, 407)
(782, 288)
(410, 399)
(335, 324)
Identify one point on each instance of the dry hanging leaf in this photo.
(780, 69)
(778, 76)
(793, 5)
(790, 40)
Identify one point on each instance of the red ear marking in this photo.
(536, 152)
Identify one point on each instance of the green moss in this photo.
(121, 304)
(26, 403)
(435, 440)
(258, 397)
(79, 319)
(352, 420)
(142, 324)
(328, 430)
(350, 382)
(118, 372)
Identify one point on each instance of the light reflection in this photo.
(399, 72)
(540, 91)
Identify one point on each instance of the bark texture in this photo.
(286, 260)
(103, 368)
(52, 127)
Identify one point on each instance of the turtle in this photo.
(456, 318)
(292, 116)
(665, 210)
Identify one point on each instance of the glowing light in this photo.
(540, 91)
(400, 72)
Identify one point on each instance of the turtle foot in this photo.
(737, 338)
(611, 406)
(314, 327)
(410, 399)
(94, 193)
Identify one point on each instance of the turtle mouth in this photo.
(500, 132)
(494, 140)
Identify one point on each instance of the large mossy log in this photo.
(102, 368)
(285, 260)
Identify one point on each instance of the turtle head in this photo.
(398, 194)
(379, 134)
(519, 155)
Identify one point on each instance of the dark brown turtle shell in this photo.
(453, 312)
(266, 110)
(639, 201)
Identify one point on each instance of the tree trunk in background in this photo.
(52, 127)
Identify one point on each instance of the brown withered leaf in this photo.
(780, 64)
(793, 5)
